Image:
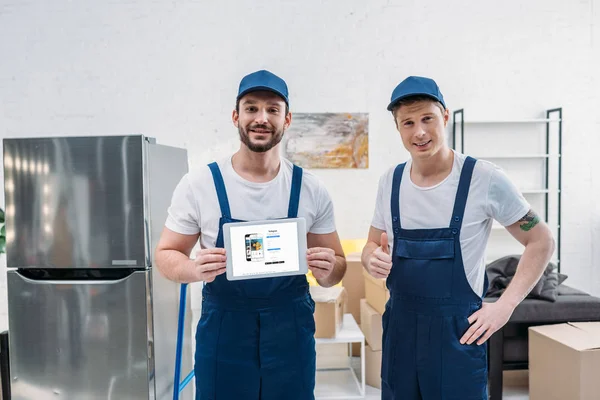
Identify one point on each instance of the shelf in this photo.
(539, 191)
(342, 383)
(522, 121)
(545, 157)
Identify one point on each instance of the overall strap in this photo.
(221, 192)
(395, 201)
(295, 192)
(462, 193)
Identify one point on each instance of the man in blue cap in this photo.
(255, 339)
(428, 237)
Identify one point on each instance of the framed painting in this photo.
(328, 140)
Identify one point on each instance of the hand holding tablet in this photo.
(261, 249)
(210, 263)
(321, 261)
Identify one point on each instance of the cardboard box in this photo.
(373, 367)
(376, 292)
(329, 310)
(564, 361)
(355, 350)
(332, 355)
(354, 282)
(371, 325)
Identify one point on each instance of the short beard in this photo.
(260, 148)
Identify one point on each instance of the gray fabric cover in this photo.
(571, 305)
(501, 272)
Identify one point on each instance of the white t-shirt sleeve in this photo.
(378, 221)
(505, 203)
(324, 222)
(183, 216)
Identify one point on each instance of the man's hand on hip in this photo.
(485, 321)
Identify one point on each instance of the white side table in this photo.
(342, 383)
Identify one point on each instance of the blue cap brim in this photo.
(265, 88)
(391, 106)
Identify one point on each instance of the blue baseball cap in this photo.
(416, 86)
(263, 80)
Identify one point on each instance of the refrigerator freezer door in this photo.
(75, 202)
(80, 340)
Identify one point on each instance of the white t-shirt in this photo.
(195, 207)
(492, 196)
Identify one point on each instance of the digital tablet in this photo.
(265, 249)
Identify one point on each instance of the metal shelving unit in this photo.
(553, 116)
(343, 383)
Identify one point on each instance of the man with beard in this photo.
(255, 339)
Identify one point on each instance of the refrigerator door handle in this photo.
(78, 281)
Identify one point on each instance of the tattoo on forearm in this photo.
(530, 220)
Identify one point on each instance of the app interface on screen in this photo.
(254, 247)
(259, 249)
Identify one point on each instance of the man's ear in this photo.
(446, 117)
(288, 120)
(235, 117)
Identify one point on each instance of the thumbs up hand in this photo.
(385, 247)
(380, 262)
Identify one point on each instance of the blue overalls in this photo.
(255, 339)
(430, 301)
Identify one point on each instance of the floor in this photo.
(515, 386)
(509, 393)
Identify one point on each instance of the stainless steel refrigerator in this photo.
(90, 316)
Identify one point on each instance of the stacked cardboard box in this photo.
(376, 292)
(364, 297)
(372, 309)
(367, 297)
(371, 325)
(332, 355)
(373, 367)
(354, 283)
(329, 310)
(564, 361)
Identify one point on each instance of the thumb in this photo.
(384, 243)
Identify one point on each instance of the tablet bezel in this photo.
(302, 248)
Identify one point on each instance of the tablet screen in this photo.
(263, 249)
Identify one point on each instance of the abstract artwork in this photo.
(328, 140)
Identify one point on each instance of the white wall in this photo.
(170, 69)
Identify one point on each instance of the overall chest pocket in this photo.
(425, 267)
